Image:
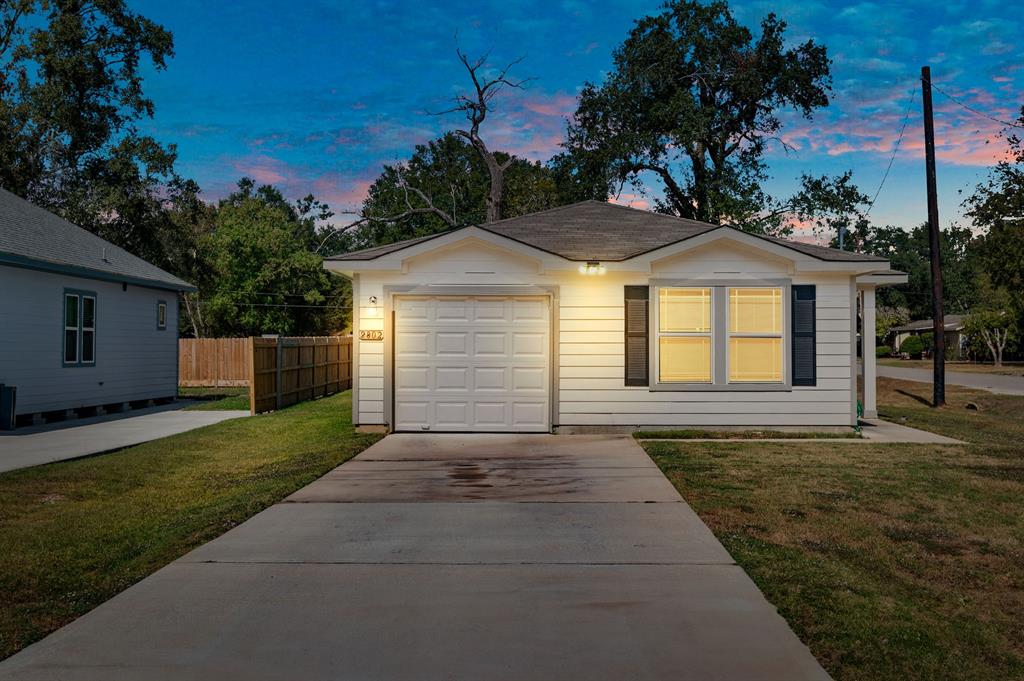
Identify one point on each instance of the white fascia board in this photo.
(801, 262)
(396, 261)
(882, 279)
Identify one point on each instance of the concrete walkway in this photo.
(447, 557)
(996, 383)
(37, 445)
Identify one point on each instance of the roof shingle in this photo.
(33, 234)
(597, 230)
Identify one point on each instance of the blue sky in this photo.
(315, 96)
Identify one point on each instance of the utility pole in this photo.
(938, 318)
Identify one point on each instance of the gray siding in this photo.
(134, 360)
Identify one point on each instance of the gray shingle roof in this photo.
(33, 236)
(951, 322)
(597, 230)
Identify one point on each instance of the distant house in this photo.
(597, 316)
(956, 341)
(85, 324)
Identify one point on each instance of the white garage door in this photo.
(472, 363)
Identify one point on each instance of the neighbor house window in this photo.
(161, 315)
(755, 344)
(684, 335)
(79, 328)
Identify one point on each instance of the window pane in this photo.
(685, 359)
(755, 359)
(88, 346)
(71, 346)
(755, 310)
(89, 312)
(70, 311)
(685, 310)
(161, 315)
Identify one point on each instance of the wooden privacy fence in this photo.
(287, 370)
(213, 362)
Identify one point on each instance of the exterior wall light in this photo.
(592, 267)
(372, 310)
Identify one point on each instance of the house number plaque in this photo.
(371, 335)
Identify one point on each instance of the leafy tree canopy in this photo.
(265, 276)
(444, 184)
(693, 98)
(70, 97)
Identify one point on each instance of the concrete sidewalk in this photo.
(447, 557)
(37, 445)
(995, 383)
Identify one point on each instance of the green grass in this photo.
(693, 434)
(889, 561)
(76, 533)
(215, 398)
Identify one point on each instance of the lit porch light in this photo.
(592, 267)
(372, 310)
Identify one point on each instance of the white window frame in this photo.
(709, 334)
(729, 335)
(719, 336)
(91, 329)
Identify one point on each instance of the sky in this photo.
(315, 96)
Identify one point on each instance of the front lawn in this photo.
(889, 561)
(76, 533)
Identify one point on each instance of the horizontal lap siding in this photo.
(592, 389)
(134, 360)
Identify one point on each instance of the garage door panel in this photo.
(473, 363)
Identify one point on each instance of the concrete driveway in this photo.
(447, 557)
(36, 445)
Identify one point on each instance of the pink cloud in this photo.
(631, 200)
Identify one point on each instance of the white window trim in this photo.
(88, 328)
(719, 336)
(710, 334)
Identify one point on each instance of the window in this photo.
(755, 335)
(79, 328)
(684, 335)
(720, 336)
(161, 315)
(70, 328)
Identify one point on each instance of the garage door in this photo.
(472, 364)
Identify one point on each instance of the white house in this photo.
(85, 324)
(594, 316)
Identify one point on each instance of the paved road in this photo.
(447, 557)
(33, 446)
(996, 383)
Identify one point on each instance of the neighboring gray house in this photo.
(85, 323)
(956, 341)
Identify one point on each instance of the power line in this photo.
(292, 305)
(975, 111)
(906, 119)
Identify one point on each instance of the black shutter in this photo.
(805, 364)
(636, 335)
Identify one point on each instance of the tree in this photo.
(993, 321)
(997, 206)
(908, 251)
(888, 318)
(266, 277)
(71, 93)
(449, 175)
(694, 98)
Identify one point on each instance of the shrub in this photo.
(883, 351)
(912, 346)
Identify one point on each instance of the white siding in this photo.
(589, 346)
(134, 360)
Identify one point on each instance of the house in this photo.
(597, 316)
(86, 324)
(956, 341)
